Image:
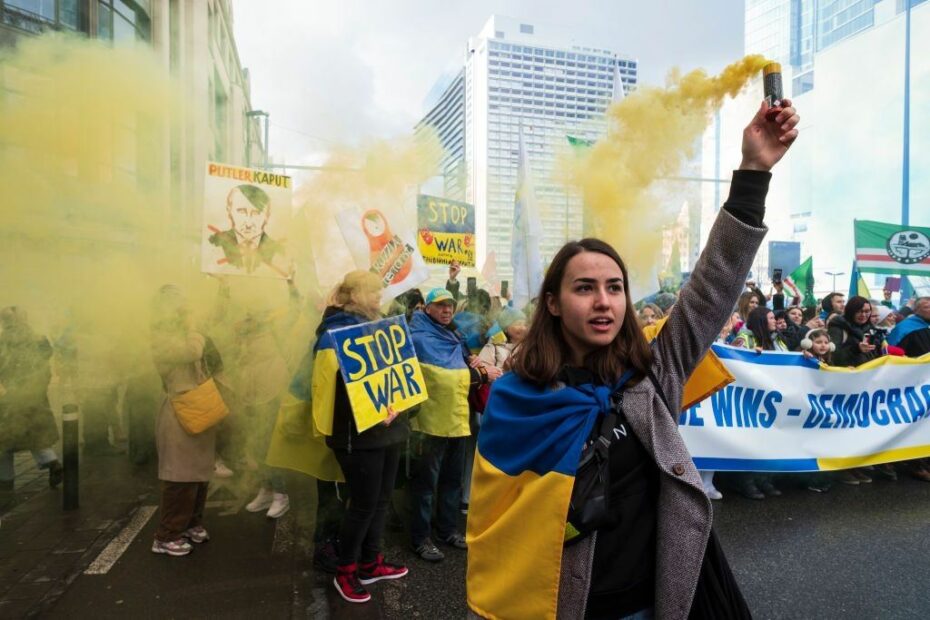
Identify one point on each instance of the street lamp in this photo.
(834, 274)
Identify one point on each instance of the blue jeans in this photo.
(440, 468)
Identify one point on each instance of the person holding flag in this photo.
(627, 531)
(450, 372)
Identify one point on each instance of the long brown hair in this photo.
(544, 351)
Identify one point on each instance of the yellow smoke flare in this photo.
(652, 132)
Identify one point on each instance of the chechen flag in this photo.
(892, 248)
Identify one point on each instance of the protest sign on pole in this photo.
(892, 248)
(446, 230)
(783, 412)
(383, 241)
(246, 216)
(380, 368)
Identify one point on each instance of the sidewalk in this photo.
(42, 547)
(97, 561)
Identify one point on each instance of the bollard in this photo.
(69, 449)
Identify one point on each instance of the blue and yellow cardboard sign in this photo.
(380, 368)
(446, 230)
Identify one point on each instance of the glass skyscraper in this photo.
(533, 76)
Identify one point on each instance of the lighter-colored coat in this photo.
(181, 457)
(684, 511)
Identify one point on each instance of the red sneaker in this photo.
(348, 586)
(378, 570)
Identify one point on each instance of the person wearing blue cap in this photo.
(442, 423)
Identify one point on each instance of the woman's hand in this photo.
(815, 323)
(392, 415)
(865, 347)
(766, 142)
(494, 373)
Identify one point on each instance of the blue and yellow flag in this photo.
(528, 450)
(305, 417)
(442, 360)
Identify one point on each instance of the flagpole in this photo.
(906, 160)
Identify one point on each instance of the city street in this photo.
(839, 555)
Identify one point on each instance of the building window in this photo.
(526, 28)
(121, 21)
(498, 34)
(35, 16)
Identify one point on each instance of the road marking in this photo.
(113, 551)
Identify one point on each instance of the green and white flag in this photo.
(801, 283)
(892, 248)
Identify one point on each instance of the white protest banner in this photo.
(246, 216)
(384, 240)
(784, 413)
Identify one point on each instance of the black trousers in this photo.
(370, 475)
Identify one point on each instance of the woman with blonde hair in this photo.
(368, 459)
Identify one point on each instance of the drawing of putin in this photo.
(246, 245)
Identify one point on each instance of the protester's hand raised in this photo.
(454, 269)
(766, 142)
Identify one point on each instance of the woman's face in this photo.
(873, 318)
(753, 303)
(648, 316)
(864, 314)
(591, 303)
(795, 315)
(820, 345)
(369, 299)
(770, 322)
(516, 332)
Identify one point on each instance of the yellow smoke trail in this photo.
(652, 133)
(92, 222)
(381, 175)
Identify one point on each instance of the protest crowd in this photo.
(234, 398)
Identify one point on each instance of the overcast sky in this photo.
(346, 71)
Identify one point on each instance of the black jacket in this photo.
(345, 434)
(847, 337)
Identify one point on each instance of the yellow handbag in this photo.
(200, 408)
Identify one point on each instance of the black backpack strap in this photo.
(661, 392)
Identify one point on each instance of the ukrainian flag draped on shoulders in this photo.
(442, 358)
(528, 451)
(306, 414)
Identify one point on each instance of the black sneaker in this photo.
(769, 489)
(428, 551)
(56, 474)
(325, 558)
(751, 491)
(454, 540)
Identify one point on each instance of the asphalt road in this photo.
(855, 552)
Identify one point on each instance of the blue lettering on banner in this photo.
(881, 417)
(897, 410)
(913, 403)
(768, 418)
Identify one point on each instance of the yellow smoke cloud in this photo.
(381, 175)
(652, 132)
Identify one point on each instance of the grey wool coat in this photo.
(684, 511)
